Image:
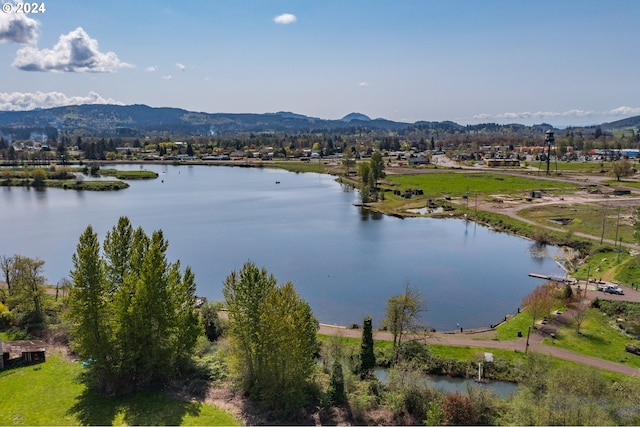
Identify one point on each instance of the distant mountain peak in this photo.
(356, 116)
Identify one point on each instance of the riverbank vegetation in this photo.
(404, 396)
(71, 178)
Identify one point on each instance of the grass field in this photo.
(128, 174)
(591, 219)
(459, 184)
(599, 337)
(49, 394)
(297, 166)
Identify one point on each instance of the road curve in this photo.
(463, 340)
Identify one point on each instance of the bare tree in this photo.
(403, 314)
(581, 311)
(539, 301)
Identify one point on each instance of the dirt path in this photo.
(535, 340)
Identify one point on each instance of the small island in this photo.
(71, 178)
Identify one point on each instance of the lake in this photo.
(303, 227)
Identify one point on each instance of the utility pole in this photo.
(616, 239)
(604, 217)
(548, 140)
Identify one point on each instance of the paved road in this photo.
(535, 343)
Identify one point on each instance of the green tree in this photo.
(403, 313)
(272, 333)
(348, 160)
(364, 170)
(131, 311)
(39, 175)
(621, 169)
(25, 290)
(89, 312)
(336, 392)
(213, 325)
(377, 167)
(367, 356)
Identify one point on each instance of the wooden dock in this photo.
(554, 278)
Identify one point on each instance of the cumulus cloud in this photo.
(285, 18)
(363, 84)
(614, 113)
(74, 52)
(167, 77)
(18, 28)
(180, 66)
(151, 69)
(22, 101)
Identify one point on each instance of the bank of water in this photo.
(303, 227)
(446, 384)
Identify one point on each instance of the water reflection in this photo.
(367, 214)
(344, 260)
(446, 384)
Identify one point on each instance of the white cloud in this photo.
(167, 77)
(363, 84)
(18, 28)
(180, 66)
(285, 18)
(624, 111)
(74, 52)
(21, 101)
(569, 116)
(152, 68)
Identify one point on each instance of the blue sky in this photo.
(561, 62)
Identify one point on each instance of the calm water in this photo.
(344, 261)
(446, 384)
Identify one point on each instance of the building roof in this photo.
(22, 346)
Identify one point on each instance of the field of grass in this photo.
(606, 266)
(297, 166)
(623, 183)
(69, 184)
(49, 394)
(599, 337)
(88, 185)
(458, 184)
(128, 174)
(518, 323)
(585, 218)
(582, 167)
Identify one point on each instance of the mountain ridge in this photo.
(139, 119)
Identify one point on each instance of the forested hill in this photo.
(142, 120)
(135, 120)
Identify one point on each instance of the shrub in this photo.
(336, 392)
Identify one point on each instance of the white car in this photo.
(612, 289)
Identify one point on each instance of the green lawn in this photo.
(585, 218)
(458, 184)
(583, 167)
(49, 394)
(598, 338)
(128, 174)
(297, 166)
(518, 323)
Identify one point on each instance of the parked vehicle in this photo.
(613, 289)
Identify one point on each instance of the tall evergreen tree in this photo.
(367, 356)
(132, 311)
(89, 307)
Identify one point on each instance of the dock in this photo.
(554, 278)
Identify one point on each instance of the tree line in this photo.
(133, 319)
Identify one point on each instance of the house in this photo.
(21, 352)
